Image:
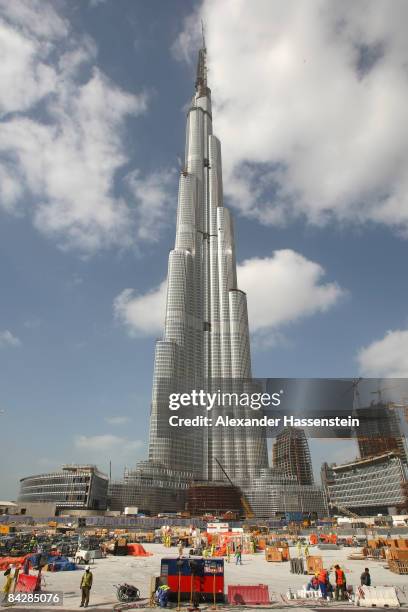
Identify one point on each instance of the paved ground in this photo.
(255, 570)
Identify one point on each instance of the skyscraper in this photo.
(381, 431)
(206, 336)
(291, 455)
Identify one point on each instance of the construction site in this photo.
(202, 565)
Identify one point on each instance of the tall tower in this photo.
(206, 336)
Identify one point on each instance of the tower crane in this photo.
(249, 513)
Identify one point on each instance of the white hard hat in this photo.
(87, 567)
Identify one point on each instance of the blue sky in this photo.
(92, 123)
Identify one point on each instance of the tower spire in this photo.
(201, 79)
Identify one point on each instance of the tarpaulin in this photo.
(6, 561)
(137, 550)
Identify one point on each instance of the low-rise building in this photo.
(152, 488)
(367, 486)
(274, 494)
(75, 487)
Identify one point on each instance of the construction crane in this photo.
(249, 513)
(394, 405)
(345, 511)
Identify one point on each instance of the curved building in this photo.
(75, 487)
(368, 486)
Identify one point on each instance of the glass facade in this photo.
(206, 334)
(75, 487)
(367, 484)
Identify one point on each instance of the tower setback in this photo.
(206, 336)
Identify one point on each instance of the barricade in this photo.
(239, 594)
(376, 597)
(28, 584)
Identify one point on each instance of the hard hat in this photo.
(87, 567)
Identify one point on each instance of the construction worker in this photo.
(228, 553)
(313, 584)
(299, 548)
(323, 579)
(9, 574)
(162, 595)
(340, 591)
(86, 585)
(238, 555)
(365, 578)
(180, 548)
(306, 550)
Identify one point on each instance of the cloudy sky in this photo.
(309, 100)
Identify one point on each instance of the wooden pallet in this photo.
(398, 567)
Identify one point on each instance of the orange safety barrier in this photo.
(313, 539)
(137, 550)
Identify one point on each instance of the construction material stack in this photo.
(396, 554)
(277, 553)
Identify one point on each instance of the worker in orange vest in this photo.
(323, 579)
(340, 591)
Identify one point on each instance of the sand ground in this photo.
(255, 570)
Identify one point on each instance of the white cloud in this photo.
(100, 448)
(310, 105)
(62, 169)
(387, 357)
(156, 197)
(284, 288)
(8, 339)
(281, 289)
(117, 420)
(141, 314)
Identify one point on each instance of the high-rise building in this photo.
(206, 337)
(381, 431)
(291, 455)
(205, 346)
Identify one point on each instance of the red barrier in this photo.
(239, 594)
(28, 584)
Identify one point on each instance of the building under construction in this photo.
(215, 498)
(381, 431)
(274, 494)
(291, 455)
(150, 488)
(367, 486)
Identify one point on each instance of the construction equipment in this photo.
(249, 513)
(345, 511)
